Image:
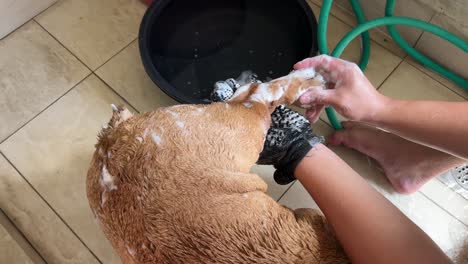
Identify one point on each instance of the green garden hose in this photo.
(365, 37)
(389, 7)
(389, 20)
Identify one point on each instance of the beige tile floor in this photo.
(60, 71)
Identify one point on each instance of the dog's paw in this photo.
(223, 90)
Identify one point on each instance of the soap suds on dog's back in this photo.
(107, 181)
(107, 184)
(180, 124)
(174, 114)
(130, 250)
(156, 138)
(247, 104)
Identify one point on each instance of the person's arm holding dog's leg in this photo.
(353, 96)
(369, 227)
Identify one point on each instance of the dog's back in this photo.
(173, 186)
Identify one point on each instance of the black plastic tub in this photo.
(186, 45)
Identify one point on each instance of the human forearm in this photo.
(440, 125)
(369, 227)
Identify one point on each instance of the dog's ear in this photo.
(119, 115)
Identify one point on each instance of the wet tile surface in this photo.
(53, 152)
(10, 251)
(32, 216)
(35, 70)
(93, 30)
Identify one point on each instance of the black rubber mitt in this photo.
(287, 142)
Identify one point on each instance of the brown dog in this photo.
(173, 185)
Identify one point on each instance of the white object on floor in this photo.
(457, 179)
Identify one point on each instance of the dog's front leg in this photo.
(284, 90)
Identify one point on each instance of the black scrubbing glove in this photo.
(287, 142)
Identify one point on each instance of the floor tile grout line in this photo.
(461, 196)
(61, 44)
(23, 236)
(47, 107)
(116, 93)
(414, 46)
(91, 72)
(420, 35)
(441, 83)
(325, 121)
(407, 56)
(43, 11)
(29, 20)
(94, 72)
(14, 31)
(391, 73)
(76, 56)
(117, 53)
(422, 31)
(287, 189)
(327, 124)
(49, 205)
(443, 209)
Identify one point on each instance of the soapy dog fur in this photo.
(173, 185)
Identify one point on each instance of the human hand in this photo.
(288, 141)
(349, 91)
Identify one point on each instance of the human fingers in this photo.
(313, 114)
(322, 62)
(316, 96)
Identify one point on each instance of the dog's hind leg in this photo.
(236, 182)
